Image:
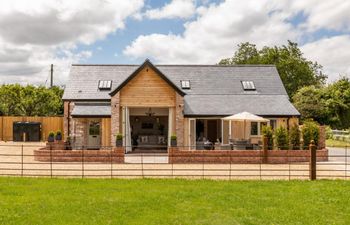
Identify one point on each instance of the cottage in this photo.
(149, 103)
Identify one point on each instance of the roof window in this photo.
(104, 84)
(185, 84)
(248, 85)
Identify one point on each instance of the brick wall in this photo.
(115, 117)
(242, 156)
(67, 110)
(322, 138)
(179, 119)
(116, 155)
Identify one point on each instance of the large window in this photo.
(273, 124)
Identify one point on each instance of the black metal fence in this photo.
(18, 159)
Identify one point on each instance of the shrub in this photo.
(294, 137)
(310, 131)
(51, 134)
(281, 138)
(173, 137)
(119, 137)
(58, 132)
(267, 132)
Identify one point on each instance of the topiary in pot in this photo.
(58, 135)
(281, 138)
(173, 140)
(119, 140)
(268, 132)
(51, 137)
(310, 131)
(294, 137)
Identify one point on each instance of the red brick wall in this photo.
(116, 155)
(242, 156)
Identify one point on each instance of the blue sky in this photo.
(34, 34)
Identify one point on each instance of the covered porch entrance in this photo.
(147, 129)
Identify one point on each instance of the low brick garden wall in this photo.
(243, 156)
(107, 156)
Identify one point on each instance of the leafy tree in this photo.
(17, 100)
(337, 100)
(295, 70)
(310, 103)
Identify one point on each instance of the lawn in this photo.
(336, 143)
(152, 201)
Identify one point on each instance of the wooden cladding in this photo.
(147, 89)
(106, 132)
(48, 124)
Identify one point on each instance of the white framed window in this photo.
(248, 85)
(104, 84)
(185, 84)
(256, 128)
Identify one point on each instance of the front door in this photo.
(94, 139)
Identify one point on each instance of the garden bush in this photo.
(294, 137)
(310, 131)
(281, 138)
(267, 132)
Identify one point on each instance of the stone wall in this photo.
(243, 156)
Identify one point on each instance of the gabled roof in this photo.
(136, 72)
(215, 89)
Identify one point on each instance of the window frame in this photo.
(185, 84)
(248, 85)
(104, 84)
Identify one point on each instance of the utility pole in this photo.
(51, 80)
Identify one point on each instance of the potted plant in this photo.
(58, 135)
(173, 140)
(51, 137)
(119, 140)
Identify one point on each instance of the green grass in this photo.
(148, 201)
(336, 143)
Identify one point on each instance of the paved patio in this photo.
(156, 165)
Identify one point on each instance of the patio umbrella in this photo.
(243, 117)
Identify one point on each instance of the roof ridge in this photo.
(183, 65)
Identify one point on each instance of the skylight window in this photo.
(105, 84)
(248, 85)
(185, 84)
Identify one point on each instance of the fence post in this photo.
(265, 149)
(312, 167)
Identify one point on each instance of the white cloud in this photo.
(215, 33)
(333, 53)
(34, 34)
(218, 28)
(175, 9)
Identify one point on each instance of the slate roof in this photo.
(215, 89)
(91, 109)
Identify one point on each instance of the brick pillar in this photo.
(322, 138)
(115, 117)
(179, 121)
(67, 110)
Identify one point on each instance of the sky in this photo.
(37, 33)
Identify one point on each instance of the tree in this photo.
(295, 70)
(337, 100)
(328, 105)
(310, 103)
(17, 100)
